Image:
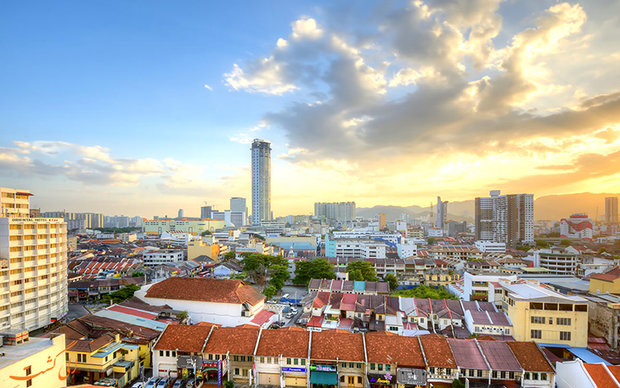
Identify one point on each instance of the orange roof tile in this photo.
(236, 340)
(183, 337)
(529, 356)
(206, 289)
(437, 351)
(337, 344)
(601, 376)
(387, 348)
(292, 342)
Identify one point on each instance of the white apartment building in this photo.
(33, 267)
(14, 203)
(406, 250)
(355, 248)
(490, 246)
(163, 256)
(394, 238)
(485, 288)
(556, 261)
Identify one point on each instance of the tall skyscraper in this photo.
(442, 214)
(611, 210)
(33, 265)
(180, 214)
(261, 181)
(505, 218)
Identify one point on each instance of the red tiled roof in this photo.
(315, 321)
(529, 356)
(262, 317)
(205, 289)
(608, 276)
(337, 345)
(183, 337)
(387, 348)
(134, 312)
(500, 356)
(437, 351)
(236, 340)
(288, 342)
(601, 376)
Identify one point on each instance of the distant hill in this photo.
(549, 207)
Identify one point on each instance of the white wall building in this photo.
(33, 268)
(406, 250)
(490, 246)
(227, 302)
(484, 287)
(162, 256)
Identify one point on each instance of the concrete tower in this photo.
(261, 181)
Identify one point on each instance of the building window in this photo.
(564, 321)
(565, 336)
(431, 369)
(479, 373)
(511, 375)
(502, 374)
(494, 374)
(237, 371)
(534, 376)
(167, 353)
(359, 366)
(372, 367)
(388, 367)
(380, 367)
(526, 376)
(536, 334)
(295, 361)
(538, 320)
(303, 361)
(28, 382)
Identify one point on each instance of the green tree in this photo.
(269, 291)
(356, 274)
(121, 295)
(424, 292)
(230, 255)
(318, 268)
(183, 316)
(365, 268)
(279, 274)
(541, 244)
(391, 278)
(229, 384)
(206, 233)
(137, 274)
(565, 242)
(431, 240)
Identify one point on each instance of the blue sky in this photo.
(104, 107)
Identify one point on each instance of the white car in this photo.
(137, 385)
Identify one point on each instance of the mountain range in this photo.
(548, 207)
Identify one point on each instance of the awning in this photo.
(327, 378)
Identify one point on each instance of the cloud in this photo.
(209, 88)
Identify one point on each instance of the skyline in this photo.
(144, 108)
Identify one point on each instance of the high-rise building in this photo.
(442, 214)
(505, 218)
(205, 211)
(238, 211)
(261, 181)
(180, 214)
(382, 221)
(237, 204)
(33, 266)
(611, 210)
(337, 211)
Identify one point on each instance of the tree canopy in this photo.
(361, 270)
(423, 291)
(391, 278)
(121, 295)
(256, 265)
(318, 268)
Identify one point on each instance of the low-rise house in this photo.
(227, 302)
(179, 347)
(282, 358)
(394, 360)
(441, 366)
(226, 270)
(608, 282)
(337, 358)
(493, 323)
(238, 344)
(536, 369)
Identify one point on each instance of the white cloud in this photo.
(306, 28)
(209, 88)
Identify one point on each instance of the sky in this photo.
(145, 107)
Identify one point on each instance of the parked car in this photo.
(137, 385)
(191, 383)
(290, 315)
(163, 383)
(178, 384)
(152, 382)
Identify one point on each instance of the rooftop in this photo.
(206, 290)
(13, 354)
(288, 342)
(183, 337)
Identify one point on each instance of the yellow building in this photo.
(609, 281)
(197, 248)
(36, 363)
(33, 266)
(440, 278)
(103, 358)
(185, 225)
(542, 315)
